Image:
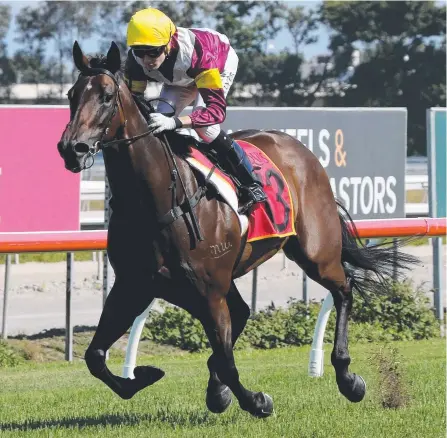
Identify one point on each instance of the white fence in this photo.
(94, 191)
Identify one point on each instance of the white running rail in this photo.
(94, 191)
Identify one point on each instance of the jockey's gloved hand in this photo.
(159, 123)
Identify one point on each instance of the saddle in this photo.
(181, 143)
(273, 218)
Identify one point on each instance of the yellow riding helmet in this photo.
(150, 27)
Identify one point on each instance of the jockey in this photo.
(194, 65)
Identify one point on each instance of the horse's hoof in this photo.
(126, 388)
(147, 375)
(263, 406)
(218, 403)
(354, 392)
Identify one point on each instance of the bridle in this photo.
(176, 211)
(118, 106)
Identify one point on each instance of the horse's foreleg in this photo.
(351, 385)
(218, 395)
(124, 303)
(219, 334)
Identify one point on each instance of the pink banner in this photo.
(37, 193)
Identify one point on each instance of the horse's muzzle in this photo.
(80, 148)
(77, 156)
(74, 159)
(75, 169)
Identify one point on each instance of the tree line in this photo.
(380, 53)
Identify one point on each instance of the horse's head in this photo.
(96, 112)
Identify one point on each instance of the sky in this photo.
(281, 41)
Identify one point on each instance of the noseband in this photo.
(118, 105)
(178, 210)
(98, 145)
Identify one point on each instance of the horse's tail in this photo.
(382, 260)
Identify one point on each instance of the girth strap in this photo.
(179, 210)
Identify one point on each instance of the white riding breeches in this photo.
(181, 97)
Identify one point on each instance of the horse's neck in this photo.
(139, 174)
(123, 184)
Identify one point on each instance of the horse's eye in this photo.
(108, 98)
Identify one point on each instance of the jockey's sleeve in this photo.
(134, 75)
(209, 84)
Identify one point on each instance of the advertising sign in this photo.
(363, 150)
(37, 193)
(437, 145)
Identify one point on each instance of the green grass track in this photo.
(64, 400)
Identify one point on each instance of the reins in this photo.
(178, 210)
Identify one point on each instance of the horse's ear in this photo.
(80, 60)
(113, 58)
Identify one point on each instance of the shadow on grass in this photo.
(170, 418)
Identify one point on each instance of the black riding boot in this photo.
(235, 161)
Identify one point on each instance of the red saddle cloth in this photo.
(274, 218)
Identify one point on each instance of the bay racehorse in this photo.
(156, 252)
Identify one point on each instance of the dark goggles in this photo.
(152, 52)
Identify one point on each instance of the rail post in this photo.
(254, 290)
(5, 297)
(305, 290)
(107, 269)
(132, 344)
(316, 358)
(68, 319)
(437, 284)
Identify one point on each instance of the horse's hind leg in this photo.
(218, 329)
(322, 263)
(125, 302)
(351, 385)
(218, 395)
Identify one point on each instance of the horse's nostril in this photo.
(81, 148)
